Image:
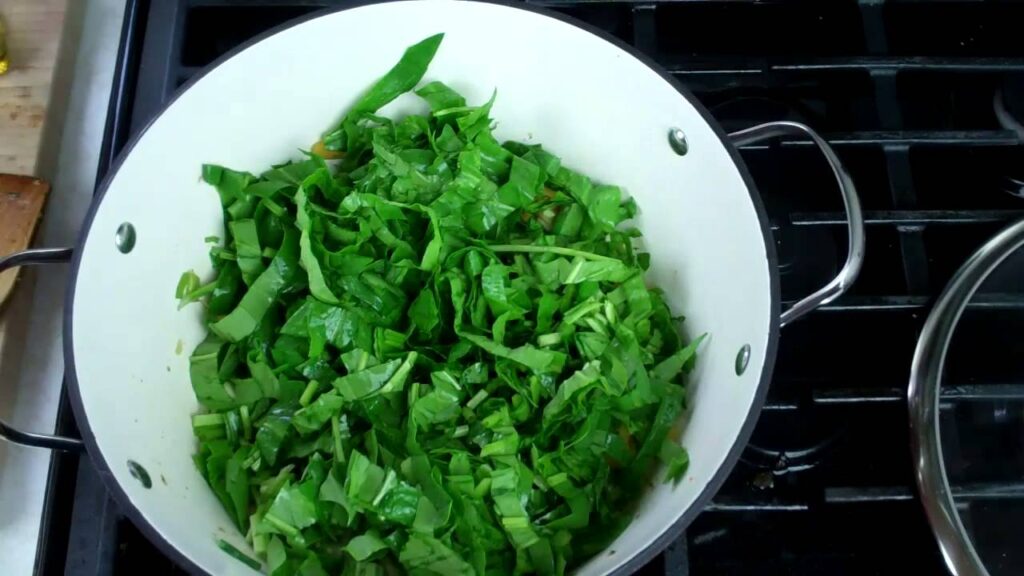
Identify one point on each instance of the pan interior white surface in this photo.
(604, 112)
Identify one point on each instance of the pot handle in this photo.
(854, 217)
(25, 258)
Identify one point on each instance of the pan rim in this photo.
(652, 548)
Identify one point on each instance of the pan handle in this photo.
(25, 258)
(854, 217)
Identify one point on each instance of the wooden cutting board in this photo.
(34, 30)
(21, 203)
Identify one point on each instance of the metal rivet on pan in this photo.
(742, 359)
(124, 239)
(140, 474)
(677, 140)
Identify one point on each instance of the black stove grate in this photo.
(918, 98)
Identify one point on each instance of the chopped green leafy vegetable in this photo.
(238, 554)
(436, 355)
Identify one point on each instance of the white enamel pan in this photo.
(604, 108)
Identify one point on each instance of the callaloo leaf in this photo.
(204, 371)
(293, 509)
(572, 386)
(527, 355)
(402, 78)
(236, 478)
(523, 184)
(311, 567)
(290, 174)
(247, 249)
(424, 312)
(423, 555)
(316, 415)
(389, 376)
(262, 294)
(668, 368)
(317, 284)
(274, 432)
(230, 184)
(226, 292)
(441, 98)
(367, 546)
(442, 404)
(676, 460)
(435, 354)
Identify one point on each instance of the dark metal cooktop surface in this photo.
(918, 98)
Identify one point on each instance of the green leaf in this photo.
(230, 184)
(315, 416)
(533, 358)
(670, 367)
(434, 353)
(402, 78)
(676, 460)
(397, 501)
(292, 173)
(387, 377)
(523, 184)
(274, 432)
(204, 371)
(247, 249)
(582, 270)
(366, 546)
(262, 293)
(363, 480)
(311, 567)
(236, 478)
(292, 509)
(441, 404)
(317, 285)
(277, 558)
(440, 97)
(237, 554)
(334, 491)
(508, 494)
(424, 312)
(581, 380)
(424, 555)
(226, 291)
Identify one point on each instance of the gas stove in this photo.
(921, 100)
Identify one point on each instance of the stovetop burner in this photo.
(914, 97)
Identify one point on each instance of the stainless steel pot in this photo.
(923, 394)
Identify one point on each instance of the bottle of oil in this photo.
(3, 49)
